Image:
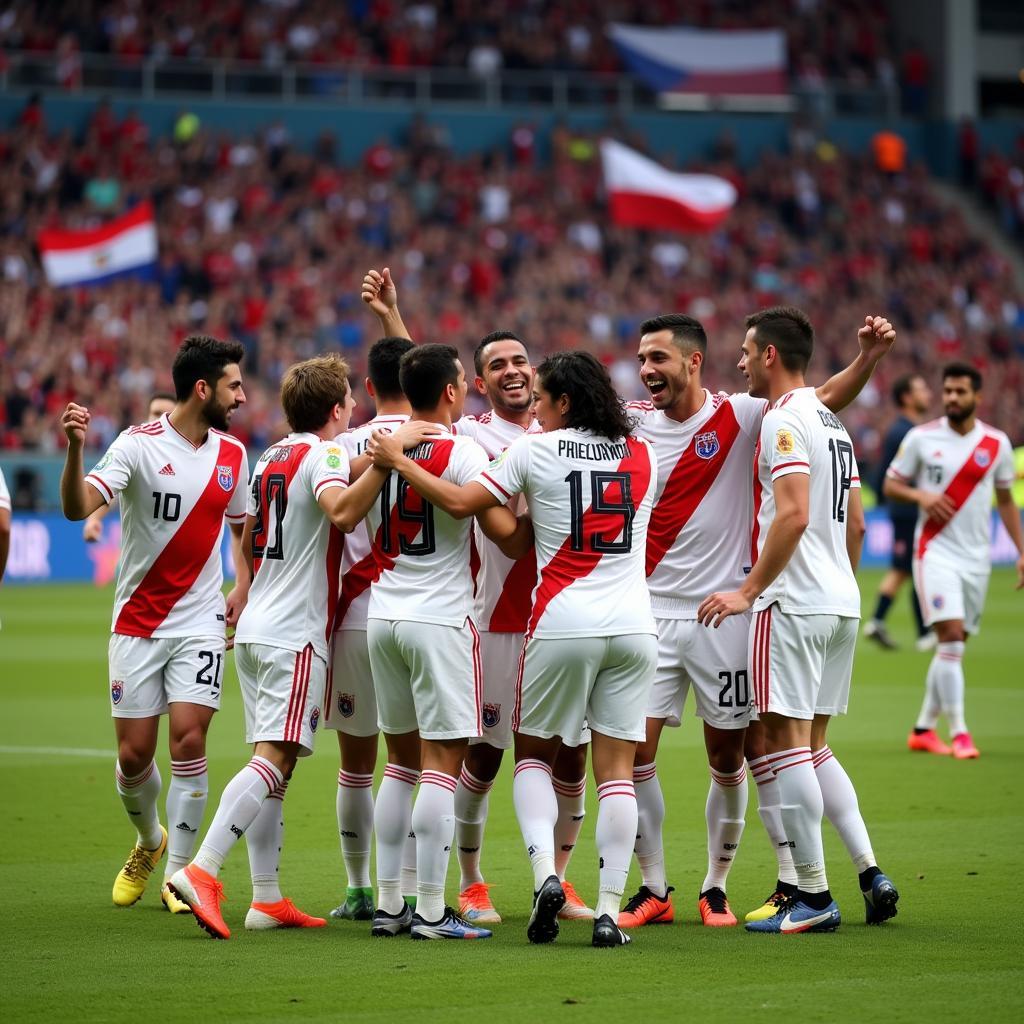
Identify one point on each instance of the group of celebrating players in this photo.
(553, 575)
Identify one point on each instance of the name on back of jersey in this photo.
(592, 451)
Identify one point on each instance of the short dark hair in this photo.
(687, 331)
(311, 389)
(202, 358)
(789, 330)
(963, 370)
(901, 387)
(490, 339)
(382, 364)
(594, 404)
(424, 373)
(161, 396)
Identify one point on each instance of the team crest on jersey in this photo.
(346, 704)
(982, 457)
(226, 477)
(784, 443)
(116, 690)
(314, 719)
(706, 445)
(938, 601)
(492, 715)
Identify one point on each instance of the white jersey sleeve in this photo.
(785, 445)
(467, 463)
(1006, 469)
(112, 474)
(5, 495)
(906, 464)
(507, 475)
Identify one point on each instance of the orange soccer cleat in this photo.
(963, 747)
(475, 905)
(282, 914)
(714, 909)
(646, 908)
(928, 742)
(574, 909)
(204, 894)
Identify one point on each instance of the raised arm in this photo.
(875, 339)
(78, 498)
(381, 295)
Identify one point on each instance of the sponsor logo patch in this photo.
(107, 459)
(333, 462)
(706, 445)
(784, 443)
(346, 704)
(226, 477)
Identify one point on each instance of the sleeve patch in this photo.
(784, 443)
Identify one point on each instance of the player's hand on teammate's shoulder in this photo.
(415, 432)
(75, 421)
(379, 291)
(876, 337)
(385, 449)
(716, 608)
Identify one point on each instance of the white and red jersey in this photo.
(966, 468)
(421, 552)
(5, 495)
(174, 500)
(590, 499)
(800, 435)
(698, 540)
(296, 549)
(358, 566)
(503, 586)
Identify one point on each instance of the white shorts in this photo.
(714, 661)
(499, 658)
(602, 681)
(351, 704)
(800, 665)
(148, 674)
(282, 692)
(427, 678)
(946, 593)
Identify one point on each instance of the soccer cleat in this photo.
(875, 630)
(928, 742)
(547, 902)
(647, 908)
(773, 904)
(926, 642)
(880, 900)
(358, 905)
(131, 880)
(451, 926)
(714, 909)
(963, 747)
(794, 917)
(204, 894)
(172, 903)
(475, 905)
(386, 926)
(282, 914)
(607, 933)
(574, 908)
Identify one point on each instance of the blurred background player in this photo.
(949, 468)
(299, 500)
(92, 530)
(179, 478)
(5, 524)
(913, 398)
(806, 608)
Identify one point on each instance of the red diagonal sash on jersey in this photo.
(962, 485)
(512, 609)
(567, 565)
(688, 484)
(178, 566)
(285, 468)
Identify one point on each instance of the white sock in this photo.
(471, 805)
(839, 799)
(408, 883)
(616, 835)
(433, 821)
(725, 812)
(949, 682)
(186, 802)
(572, 809)
(931, 707)
(355, 826)
(537, 810)
(239, 804)
(392, 813)
(139, 794)
(264, 841)
(650, 852)
(768, 800)
(801, 815)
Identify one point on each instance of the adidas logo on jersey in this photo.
(168, 470)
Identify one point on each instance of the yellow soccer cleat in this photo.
(773, 904)
(131, 880)
(172, 903)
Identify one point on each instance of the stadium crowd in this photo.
(265, 242)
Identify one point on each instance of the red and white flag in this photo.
(643, 194)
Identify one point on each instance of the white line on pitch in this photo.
(58, 751)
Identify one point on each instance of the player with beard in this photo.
(949, 469)
(178, 478)
(504, 377)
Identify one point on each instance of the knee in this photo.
(188, 744)
(133, 757)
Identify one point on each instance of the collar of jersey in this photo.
(174, 432)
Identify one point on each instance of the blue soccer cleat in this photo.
(795, 917)
(451, 926)
(880, 900)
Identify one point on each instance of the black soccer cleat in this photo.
(547, 902)
(608, 934)
(387, 925)
(880, 900)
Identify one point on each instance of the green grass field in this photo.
(949, 833)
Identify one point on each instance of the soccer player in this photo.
(699, 541)
(92, 530)
(178, 478)
(300, 492)
(913, 398)
(590, 651)
(425, 651)
(806, 611)
(949, 469)
(350, 704)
